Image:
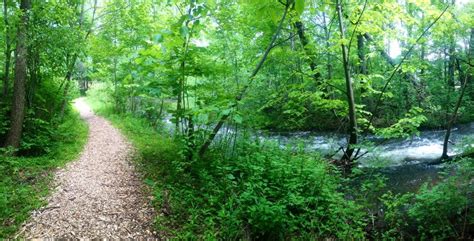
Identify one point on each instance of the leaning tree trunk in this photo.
(467, 78)
(19, 87)
(238, 98)
(352, 129)
(444, 155)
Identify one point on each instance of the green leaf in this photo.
(226, 111)
(238, 119)
(299, 6)
(184, 31)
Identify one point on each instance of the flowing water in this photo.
(405, 162)
(421, 149)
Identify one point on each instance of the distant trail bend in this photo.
(99, 195)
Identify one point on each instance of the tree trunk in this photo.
(34, 77)
(19, 87)
(8, 51)
(311, 58)
(68, 78)
(327, 35)
(181, 95)
(446, 76)
(362, 70)
(352, 128)
(65, 93)
(451, 65)
(467, 78)
(451, 122)
(361, 55)
(470, 74)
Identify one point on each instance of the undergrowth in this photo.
(264, 192)
(24, 181)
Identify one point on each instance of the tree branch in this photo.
(239, 96)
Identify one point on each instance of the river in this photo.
(405, 162)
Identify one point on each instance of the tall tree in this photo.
(19, 87)
(352, 128)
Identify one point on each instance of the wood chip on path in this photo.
(100, 195)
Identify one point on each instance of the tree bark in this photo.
(451, 65)
(34, 74)
(8, 51)
(19, 87)
(66, 90)
(352, 128)
(444, 155)
(327, 35)
(181, 95)
(362, 70)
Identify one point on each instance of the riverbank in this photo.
(263, 189)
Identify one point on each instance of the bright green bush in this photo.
(24, 180)
(42, 118)
(441, 212)
(263, 192)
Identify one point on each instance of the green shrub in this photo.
(24, 180)
(266, 192)
(42, 118)
(441, 212)
(263, 192)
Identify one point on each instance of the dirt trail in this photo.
(99, 195)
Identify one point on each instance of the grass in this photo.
(24, 181)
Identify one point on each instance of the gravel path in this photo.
(99, 195)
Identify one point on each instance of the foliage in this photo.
(443, 211)
(187, 61)
(24, 181)
(405, 127)
(263, 192)
(219, 70)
